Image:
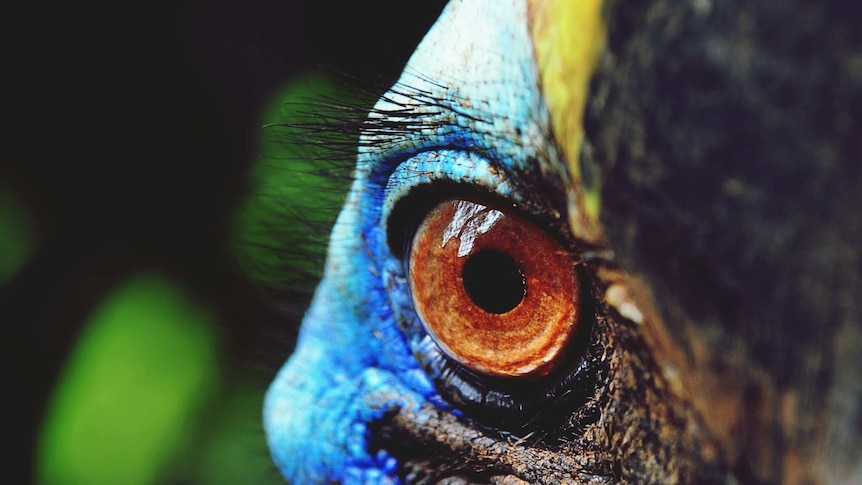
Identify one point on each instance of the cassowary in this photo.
(595, 242)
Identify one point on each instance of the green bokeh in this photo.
(299, 183)
(146, 395)
(127, 401)
(233, 450)
(17, 234)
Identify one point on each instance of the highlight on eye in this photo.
(497, 293)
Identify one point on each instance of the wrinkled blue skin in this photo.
(483, 125)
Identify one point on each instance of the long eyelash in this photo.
(285, 252)
(285, 258)
(426, 111)
(323, 134)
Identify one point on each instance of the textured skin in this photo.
(352, 364)
(728, 140)
(717, 349)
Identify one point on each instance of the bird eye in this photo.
(495, 292)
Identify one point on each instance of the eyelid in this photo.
(446, 173)
(462, 167)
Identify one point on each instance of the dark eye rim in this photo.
(510, 405)
(409, 211)
(519, 405)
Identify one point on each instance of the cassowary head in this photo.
(595, 242)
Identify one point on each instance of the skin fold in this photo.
(701, 163)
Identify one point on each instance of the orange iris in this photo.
(498, 294)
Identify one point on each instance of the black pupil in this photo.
(494, 281)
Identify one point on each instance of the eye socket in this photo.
(496, 293)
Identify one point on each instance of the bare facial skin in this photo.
(675, 186)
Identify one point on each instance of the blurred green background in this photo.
(160, 231)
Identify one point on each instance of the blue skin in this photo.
(483, 126)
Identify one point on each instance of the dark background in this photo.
(128, 133)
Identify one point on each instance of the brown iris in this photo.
(497, 293)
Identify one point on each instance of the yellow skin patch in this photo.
(568, 39)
